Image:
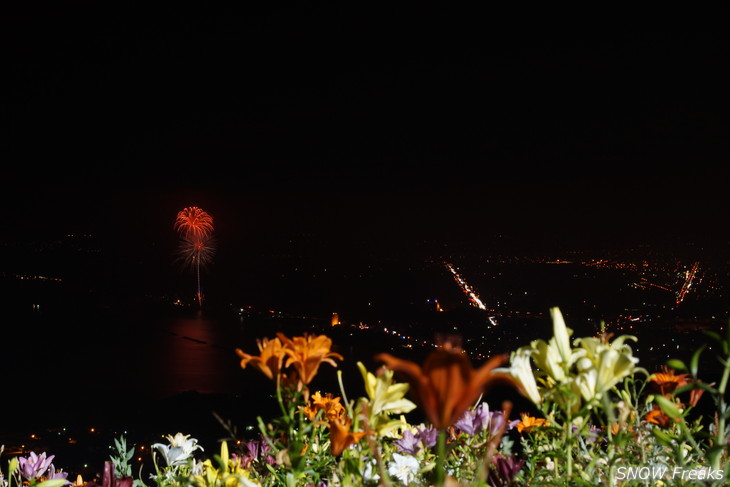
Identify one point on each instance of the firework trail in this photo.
(197, 245)
(193, 252)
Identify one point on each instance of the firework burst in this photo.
(197, 246)
(192, 253)
(193, 223)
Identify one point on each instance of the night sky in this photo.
(362, 120)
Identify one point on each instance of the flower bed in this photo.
(601, 420)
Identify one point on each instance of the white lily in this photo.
(521, 370)
(179, 450)
(561, 336)
(587, 383)
(613, 367)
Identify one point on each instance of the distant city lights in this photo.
(471, 294)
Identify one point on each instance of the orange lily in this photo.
(447, 384)
(306, 353)
(340, 435)
(331, 406)
(269, 362)
(528, 422)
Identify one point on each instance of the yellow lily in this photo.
(385, 398)
(589, 369)
(230, 473)
(604, 364)
(556, 356)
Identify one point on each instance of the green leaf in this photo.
(669, 408)
(684, 388)
(51, 483)
(676, 364)
(663, 438)
(626, 396)
(713, 452)
(13, 466)
(694, 362)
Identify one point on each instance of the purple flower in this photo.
(504, 470)
(34, 466)
(496, 422)
(53, 475)
(251, 453)
(256, 450)
(264, 449)
(467, 423)
(428, 436)
(408, 443)
(482, 417)
(593, 433)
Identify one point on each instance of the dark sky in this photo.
(468, 122)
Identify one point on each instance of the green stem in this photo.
(344, 396)
(280, 400)
(611, 419)
(569, 443)
(441, 457)
(720, 434)
(262, 428)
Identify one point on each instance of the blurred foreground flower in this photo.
(447, 384)
(504, 469)
(111, 480)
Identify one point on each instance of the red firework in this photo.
(197, 246)
(193, 223)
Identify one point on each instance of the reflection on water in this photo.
(84, 366)
(191, 354)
